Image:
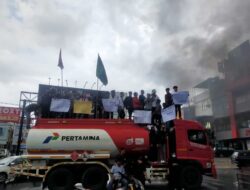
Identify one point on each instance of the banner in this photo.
(168, 113)
(84, 107)
(59, 105)
(110, 105)
(141, 116)
(9, 114)
(181, 97)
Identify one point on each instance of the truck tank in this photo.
(60, 136)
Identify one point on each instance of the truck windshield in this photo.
(197, 136)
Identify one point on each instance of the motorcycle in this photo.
(122, 182)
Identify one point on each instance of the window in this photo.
(197, 136)
(1, 131)
(17, 161)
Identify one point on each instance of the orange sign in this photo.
(9, 114)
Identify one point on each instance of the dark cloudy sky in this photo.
(143, 44)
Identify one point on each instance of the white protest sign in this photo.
(59, 105)
(168, 113)
(110, 105)
(141, 116)
(181, 97)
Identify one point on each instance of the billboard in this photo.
(9, 114)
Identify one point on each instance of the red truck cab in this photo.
(193, 155)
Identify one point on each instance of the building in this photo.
(6, 131)
(236, 71)
(222, 104)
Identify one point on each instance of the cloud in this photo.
(143, 44)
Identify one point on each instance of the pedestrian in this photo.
(142, 99)
(161, 141)
(153, 144)
(128, 103)
(140, 171)
(177, 106)
(117, 169)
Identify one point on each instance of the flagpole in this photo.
(97, 94)
(62, 76)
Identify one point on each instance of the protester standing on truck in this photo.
(148, 102)
(136, 102)
(128, 103)
(142, 99)
(121, 112)
(168, 102)
(154, 98)
(177, 106)
(157, 114)
(168, 98)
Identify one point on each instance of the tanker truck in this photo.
(63, 152)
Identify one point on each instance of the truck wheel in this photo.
(94, 178)
(60, 179)
(191, 178)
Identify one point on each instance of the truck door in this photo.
(198, 146)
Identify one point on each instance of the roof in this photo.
(207, 83)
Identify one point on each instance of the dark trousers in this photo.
(178, 111)
(130, 111)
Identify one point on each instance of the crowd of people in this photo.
(126, 104)
(150, 102)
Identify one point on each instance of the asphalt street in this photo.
(226, 180)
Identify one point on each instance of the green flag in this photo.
(100, 71)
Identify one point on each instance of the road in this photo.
(225, 170)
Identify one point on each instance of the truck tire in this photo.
(60, 179)
(94, 178)
(191, 178)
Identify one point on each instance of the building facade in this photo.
(224, 102)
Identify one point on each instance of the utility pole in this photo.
(20, 129)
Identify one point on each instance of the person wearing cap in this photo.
(177, 106)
